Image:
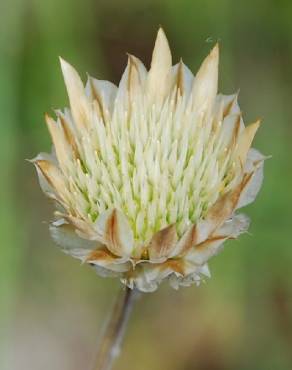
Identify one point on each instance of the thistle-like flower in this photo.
(147, 176)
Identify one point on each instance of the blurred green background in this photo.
(51, 308)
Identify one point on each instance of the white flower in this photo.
(148, 175)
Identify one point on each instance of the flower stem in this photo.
(109, 346)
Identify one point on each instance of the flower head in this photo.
(148, 175)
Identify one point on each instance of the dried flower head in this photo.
(148, 175)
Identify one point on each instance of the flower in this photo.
(147, 176)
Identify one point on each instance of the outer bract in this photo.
(147, 176)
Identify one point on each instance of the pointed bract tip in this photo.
(215, 51)
(161, 36)
(161, 57)
(49, 120)
(160, 30)
(61, 60)
(131, 58)
(47, 116)
(65, 66)
(257, 123)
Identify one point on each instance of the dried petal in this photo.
(114, 231)
(162, 244)
(103, 258)
(53, 177)
(65, 236)
(104, 93)
(78, 101)
(160, 67)
(245, 141)
(255, 166)
(186, 242)
(205, 250)
(206, 81)
(219, 212)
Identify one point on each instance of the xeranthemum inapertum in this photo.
(147, 176)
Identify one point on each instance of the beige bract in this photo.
(147, 176)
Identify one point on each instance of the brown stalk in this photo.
(109, 346)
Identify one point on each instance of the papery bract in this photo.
(148, 175)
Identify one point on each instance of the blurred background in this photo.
(51, 308)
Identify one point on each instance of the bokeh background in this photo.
(51, 308)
